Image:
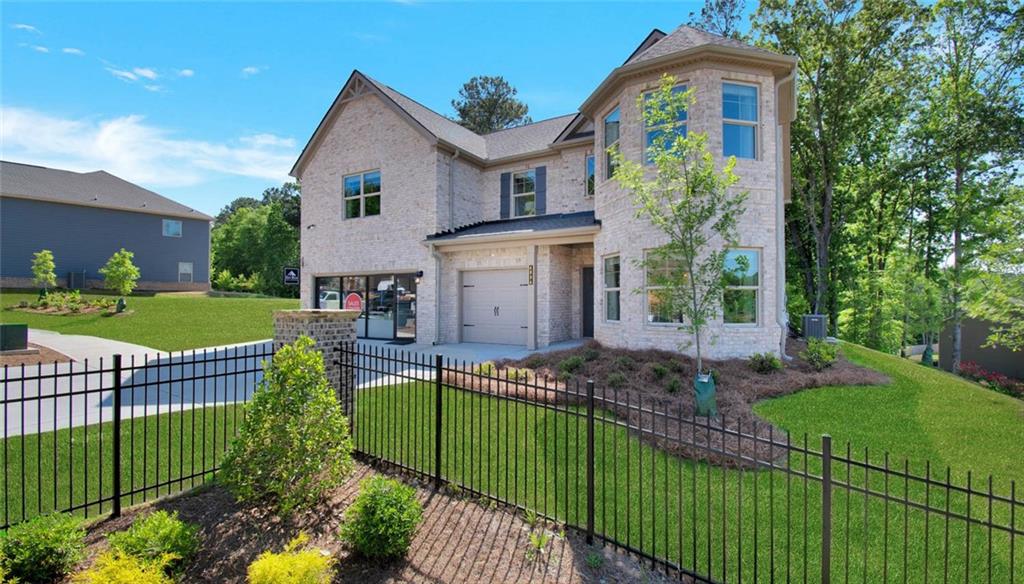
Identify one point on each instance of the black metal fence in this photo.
(88, 437)
(716, 501)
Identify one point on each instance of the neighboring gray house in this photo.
(83, 218)
(520, 236)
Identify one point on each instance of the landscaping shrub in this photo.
(42, 549)
(991, 379)
(513, 374)
(658, 371)
(225, 281)
(591, 354)
(820, 354)
(571, 364)
(383, 518)
(764, 363)
(625, 363)
(616, 379)
(116, 567)
(158, 535)
(487, 369)
(674, 385)
(295, 565)
(294, 444)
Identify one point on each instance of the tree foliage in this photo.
(120, 274)
(43, 267)
(722, 17)
(487, 104)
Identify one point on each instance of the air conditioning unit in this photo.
(76, 280)
(815, 326)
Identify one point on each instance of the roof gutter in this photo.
(524, 235)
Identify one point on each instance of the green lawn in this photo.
(168, 322)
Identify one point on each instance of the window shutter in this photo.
(506, 193)
(541, 174)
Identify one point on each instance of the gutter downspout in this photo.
(782, 316)
(451, 188)
(437, 293)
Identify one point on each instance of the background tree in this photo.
(487, 104)
(120, 275)
(996, 293)
(233, 207)
(722, 17)
(689, 200)
(43, 270)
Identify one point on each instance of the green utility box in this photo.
(13, 337)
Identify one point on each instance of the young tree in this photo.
(690, 201)
(722, 17)
(120, 275)
(487, 104)
(43, 270)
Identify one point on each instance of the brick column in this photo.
(328, 329)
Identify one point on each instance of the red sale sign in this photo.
(353, 301)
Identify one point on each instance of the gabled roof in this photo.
(686, 37)
(527, 138)
(90, 189)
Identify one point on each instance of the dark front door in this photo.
(588, 302)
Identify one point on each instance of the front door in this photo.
(494, 306)
(588, 301)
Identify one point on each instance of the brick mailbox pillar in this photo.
(328, 329)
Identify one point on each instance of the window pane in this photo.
(328, 293)
(742, 267)
(739, 102)
(657, 312)
(680, 115)
(523, 182)
(740, 306)
(590, 174)
(652, 135)
(352, 186)
(611, 305)
(352, 208)
(611, 272)
(525, 205)
(371, 182)
(738, 141)
(611, 128)
(172, 228)
(610, 165)
(372, 205)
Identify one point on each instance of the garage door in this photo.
(494, 307)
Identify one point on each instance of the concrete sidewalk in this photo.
(82, 347)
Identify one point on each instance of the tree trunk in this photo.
(955, 350)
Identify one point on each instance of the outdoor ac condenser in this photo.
(815, 326)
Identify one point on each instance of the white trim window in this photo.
(739, 120)
(185, 272)
(611, 140)
(742, 283)
(362, 194)
(171, 228)
(659, 274)
(612, 288)
(652, 132)
(524, 193)
(588, 175)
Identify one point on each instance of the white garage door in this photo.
(494, 307)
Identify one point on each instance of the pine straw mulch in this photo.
(41, 356)
(635, 386)
(459, 540)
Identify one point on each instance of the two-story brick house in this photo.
(520, 236)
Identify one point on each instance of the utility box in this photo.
(76, 280)
(815, 326)
(13, 337)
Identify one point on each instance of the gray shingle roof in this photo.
(528, 138)
(687, 37)
(94, 189)
(521, 225)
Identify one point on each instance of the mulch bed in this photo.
(44, 355)
(459, 540)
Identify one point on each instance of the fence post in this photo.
(438, 366)
(116, 483)
(590, 462)
(826, 508)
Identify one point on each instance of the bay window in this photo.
(742, 281)
(739, 120)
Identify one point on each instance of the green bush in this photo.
(295, 565)
(764, 363)
(157, 535)
(820, 354)
(116, 567)
(591, 354)
(383, 518)
(514, 374)
(294, 444)
(616, 379)
(658, 371)
(225, 281)
(674, 385)
(625, 363)
(486, 369)
(571, 364)
(43, 549)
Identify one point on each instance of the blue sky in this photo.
(207, 102)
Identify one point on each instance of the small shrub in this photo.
(538, 544)
(116, 567)
(43, 549)
(513, 374)
(764, 363)
(658, 370)
(295, 565)
(595, 561)
(591, 354)
(616, 379)
(564, 376)
(534, 362)
(159, 534)
(571, 364)
(383, 518)
(279, 456)
(991, 379)
(820, 354)
(677, 366)
(625, 363)
(674, 385)
(486, 369)
(531, 518)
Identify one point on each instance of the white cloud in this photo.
(122, 74)
(186, 73)
(145, 72)
(137, 151)
(73, 51)
(155, 88)
(251, 70)
(40, 49)
(26, 28)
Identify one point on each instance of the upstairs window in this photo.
(362, 194)
(739, 120)
(172, 228)
(524, 193)
(742, 280)
(612, 288)
(611, 140)
(589, 176)
(651, 132)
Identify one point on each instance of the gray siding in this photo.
(83, 238)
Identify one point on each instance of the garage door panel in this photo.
(494, 306)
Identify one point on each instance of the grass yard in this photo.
(168, 322)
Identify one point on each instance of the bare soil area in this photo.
(460, 540)
(43, 356)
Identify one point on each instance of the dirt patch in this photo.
(653, 390)
(459, 540)
(44, 355)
